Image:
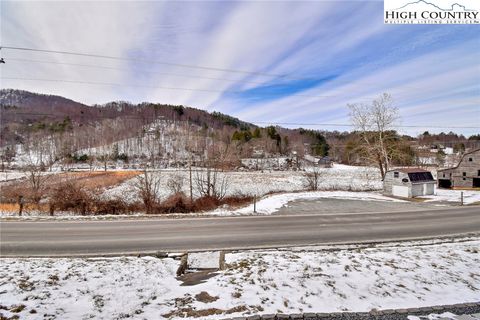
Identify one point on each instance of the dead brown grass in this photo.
(90, 180)
(96, 180)
(14, 207)
(202, 313)
(9, 207)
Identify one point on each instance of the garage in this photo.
(400, 191)
(476, 182)
(408, 183)
(444, 183)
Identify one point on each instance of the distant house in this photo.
(408, 183)
(465, 175)
(325, 162)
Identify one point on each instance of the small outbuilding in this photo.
(465, 175)
(408, 183)
(323, 162)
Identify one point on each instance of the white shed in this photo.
(408, 183)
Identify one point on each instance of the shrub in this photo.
(237, 200)
(205, 203)
(177, 203)
(113, 206)
(70, 195)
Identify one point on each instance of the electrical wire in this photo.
(351, 125)
(156, 87)
(299, 124)
(256, 73)
(143, 71)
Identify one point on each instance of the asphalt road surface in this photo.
(146, 236)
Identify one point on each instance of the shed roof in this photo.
(409, 170)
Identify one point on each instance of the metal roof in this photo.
(409, 170)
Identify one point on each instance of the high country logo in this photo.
(431, 12)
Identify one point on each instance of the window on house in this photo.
(395, 174)
(478, 173)
(444, 175)
(464, 174)
(470, 159)
(464, 179)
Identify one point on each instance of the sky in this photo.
(265, 62)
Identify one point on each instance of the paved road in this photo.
(135, 236)
(332, 205)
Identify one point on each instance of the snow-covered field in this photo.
(11, 175)
(321, 279)
(340, 177)
(339, 182)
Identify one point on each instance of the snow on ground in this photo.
(340, 177)
(11, 175)
(267, 205)
(358, 278)
(434, 316)
(273, 203)
(355, 181)
(469, 196)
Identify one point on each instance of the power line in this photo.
(123, 69)
(151, 61)
(196, 76)
(267, 122)
(351, 125)
(184, 75)
(158, 87)
(257, 73)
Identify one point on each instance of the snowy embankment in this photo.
(315, 279)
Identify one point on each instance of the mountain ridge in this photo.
(434, 5)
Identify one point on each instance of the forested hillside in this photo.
(49, 129)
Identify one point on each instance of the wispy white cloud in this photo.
(342, 47)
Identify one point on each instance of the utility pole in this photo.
(190, 173)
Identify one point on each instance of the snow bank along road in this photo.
(132, 237)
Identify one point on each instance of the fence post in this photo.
(20, 205)
(255, 204)
(461, 198)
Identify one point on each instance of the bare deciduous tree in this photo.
(37, 179)
(375, 124)
(312, 178)
(211, 183)
(147, 186)
(175, 183)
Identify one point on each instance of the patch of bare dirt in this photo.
(205, 297)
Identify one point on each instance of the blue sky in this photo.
(303, 61)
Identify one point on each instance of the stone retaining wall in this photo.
(458, 309)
